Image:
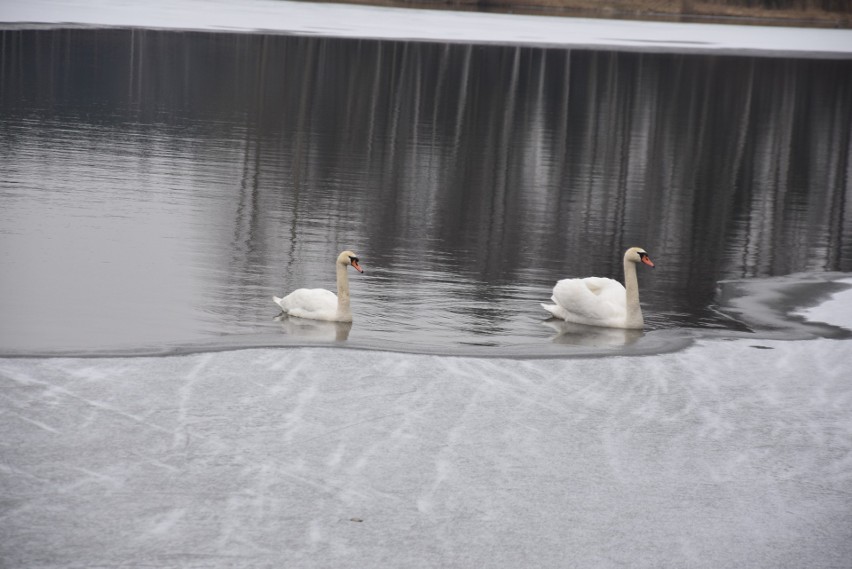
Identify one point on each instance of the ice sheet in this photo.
(793, 307)
(837, 310)
(327, 19)
(731, 453)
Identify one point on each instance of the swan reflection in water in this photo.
(591, 336)
(314, 330)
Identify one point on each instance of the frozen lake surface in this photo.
(730, 453)
(374, 22)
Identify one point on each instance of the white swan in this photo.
(600, 301)
(319, 303)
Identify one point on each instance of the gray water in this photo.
(158, 187)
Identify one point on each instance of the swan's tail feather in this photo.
(554, 310)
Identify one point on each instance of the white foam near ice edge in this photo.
(355, 21)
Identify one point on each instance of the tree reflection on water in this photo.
(470, 177)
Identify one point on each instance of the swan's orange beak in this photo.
(647, 260)
(360, 270)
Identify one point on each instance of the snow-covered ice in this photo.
(376, 22)
(734, 452)
(836, 311)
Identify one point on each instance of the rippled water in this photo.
(159, 187)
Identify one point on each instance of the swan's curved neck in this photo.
(342, 289)
(631, 284)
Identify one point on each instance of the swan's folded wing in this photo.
(308, 300)
(607, 290)
(592, 299)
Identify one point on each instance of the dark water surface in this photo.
(158, 188)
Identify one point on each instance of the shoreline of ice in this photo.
(725, 454)
(407, 24)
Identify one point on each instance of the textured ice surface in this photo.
(732, 453)
(327, 19)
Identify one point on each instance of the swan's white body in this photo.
(319, 303)
(598, 301)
